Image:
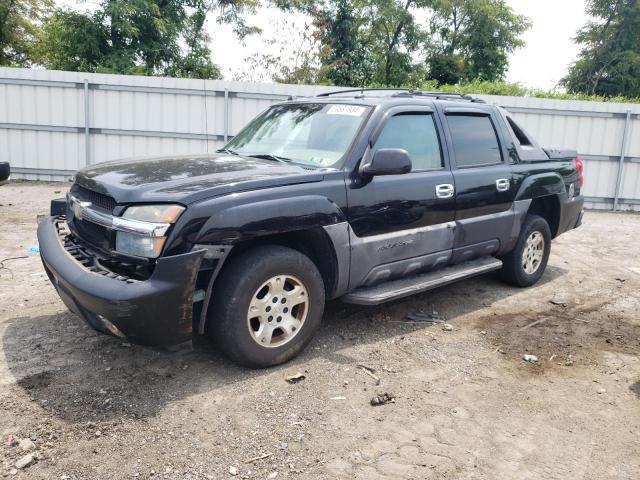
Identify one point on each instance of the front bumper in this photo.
(154, 312)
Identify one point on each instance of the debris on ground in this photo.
(26, 444)
(370, 371)
(259, 457)
(233, 471)
(530, 358)
(383, 398)
(338, 398)
(34, 249)
(367, 368)
(559, 300)
(27, 460)
(12, 441)
(601, 391)
(295, 378)
(432, 318)
(447, 327)
(536, 322)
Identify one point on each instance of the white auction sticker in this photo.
(353, 110)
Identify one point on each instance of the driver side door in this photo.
(401, 225)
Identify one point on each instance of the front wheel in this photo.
(525, 264)
(266, 306)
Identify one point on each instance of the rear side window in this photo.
(522, 138)
(474, 140)
(416, 133)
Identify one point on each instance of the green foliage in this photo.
(471, 39)
(20, 27)
(74, 42)
(483, 87)
(609, 63)
(382, 42)
(278, 62)
(145, 37)
(345, 59)
(395, 37)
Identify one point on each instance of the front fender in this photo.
(252, 220)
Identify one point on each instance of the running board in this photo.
(404, 287)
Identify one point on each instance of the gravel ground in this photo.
(87, 406)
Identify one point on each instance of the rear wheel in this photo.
(266, 306)
(525, 264)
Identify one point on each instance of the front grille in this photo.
(93, 233)
(90, 232)
(100, 200)
(96, 263)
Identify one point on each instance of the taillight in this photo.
(580, 170)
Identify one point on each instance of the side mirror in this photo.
(387, 161)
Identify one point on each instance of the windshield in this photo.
(317, 134)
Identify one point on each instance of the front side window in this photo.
(474, 140)
(316, 134)
(416, 133)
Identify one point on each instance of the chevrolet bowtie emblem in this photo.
(78, 207)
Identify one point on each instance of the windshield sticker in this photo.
(353, 110)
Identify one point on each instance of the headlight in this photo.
(142, 229)
(154, 213)
(139, 246)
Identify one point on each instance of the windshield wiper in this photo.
(269, 156)
(227, 150)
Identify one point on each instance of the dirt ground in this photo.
(466, 404)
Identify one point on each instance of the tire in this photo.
(522, 272)
(275, 282)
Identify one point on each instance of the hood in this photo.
(189, 178)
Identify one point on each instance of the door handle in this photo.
(502, 184)
(444, 190)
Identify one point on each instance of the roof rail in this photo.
(408, 92)
(441, 95)
(362, 90)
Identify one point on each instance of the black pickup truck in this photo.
(368, 196)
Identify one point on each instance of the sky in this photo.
(540, 64)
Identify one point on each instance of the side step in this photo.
(404, 287)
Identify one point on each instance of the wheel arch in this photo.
(547, 207)
(313, 242)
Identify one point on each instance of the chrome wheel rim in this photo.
(277, 311)
(533, 253)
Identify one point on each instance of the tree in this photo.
(20, 22)
(472, 39)
(365, 41)
(149, 37)
(393, 35)
(344, 56)
(290, 56)
(381, 42)
(74, 41)
(609, 62)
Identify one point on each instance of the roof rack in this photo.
(407, 92)
(362, 90)
(441, 96)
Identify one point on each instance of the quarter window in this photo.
(416, 133)
(474, 140)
